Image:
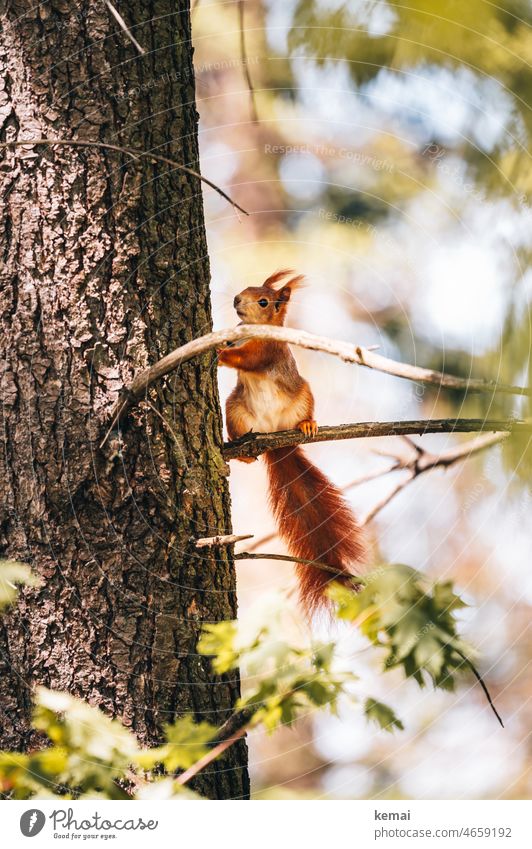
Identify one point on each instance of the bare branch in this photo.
(386, 500)
(135, 154)
(244, 59)
(424, 461)
(411, 444)
(345, 350)
(371, 476)
(253, 444)
(211, 756)
(166, 424)
(228, 539)
(289, 558)
(121, 22)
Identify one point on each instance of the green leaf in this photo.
(445, 598)
(186, 742)
(399, 611)
(383, 715)
(430, 655)
(218, 639)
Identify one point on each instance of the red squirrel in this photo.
(313, 518)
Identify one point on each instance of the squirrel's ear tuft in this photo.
(295, 283)
(278, 275)
(283, 295)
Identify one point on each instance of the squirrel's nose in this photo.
(236, 301)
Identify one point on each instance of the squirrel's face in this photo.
(261, 305)
(265, 304)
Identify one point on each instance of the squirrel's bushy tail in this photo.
(315, 522)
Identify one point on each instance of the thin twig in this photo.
(135, 154)
(289, 558)
(480, 680)
(211, 756)
(386, 500)
(411, 444)
(228, 539)
(344, 350)
(244, 60)
(236, 721)
(166, 424)
(263, 540)
(371, 476)
(121, 22)
(424, 461)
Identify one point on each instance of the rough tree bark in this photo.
(104, 271)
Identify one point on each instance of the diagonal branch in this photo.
(129, 151)
(347, 351)
(211, 756)
(289, 558)
(253, 444)
(122, 24)
(480, 680)
(387, 498)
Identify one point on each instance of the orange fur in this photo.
(248, 356)
(276, 276)
(315, 522)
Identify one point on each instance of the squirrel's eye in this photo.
(263, 303)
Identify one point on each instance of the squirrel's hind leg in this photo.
(239, 422)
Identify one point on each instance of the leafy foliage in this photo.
(283, 680)
(382, 715)
(89, 750)
(481, 39)
(186, 743)
(90, 755)
(415, 625)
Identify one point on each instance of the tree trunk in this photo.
(105, 270)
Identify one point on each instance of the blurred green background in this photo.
(390, 164)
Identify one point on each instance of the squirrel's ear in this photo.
(295, 283)
(270, 281)
(283, 295)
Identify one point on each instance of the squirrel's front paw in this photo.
(247, 459)
(308, 427)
